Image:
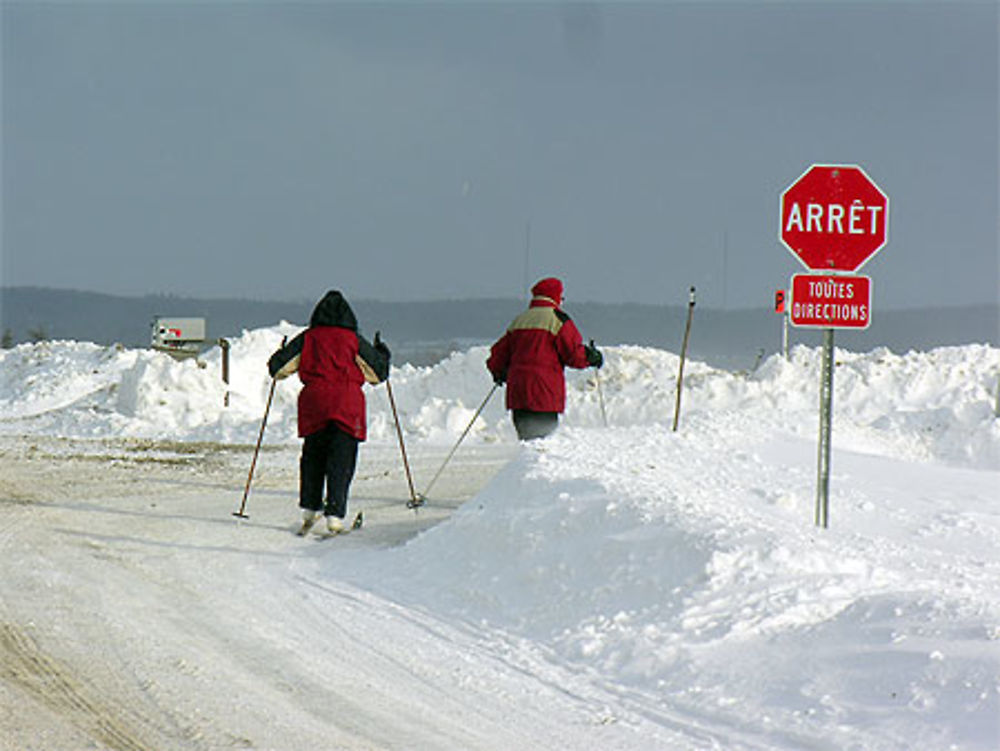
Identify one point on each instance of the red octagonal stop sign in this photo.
(834, 218)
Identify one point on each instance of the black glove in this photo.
(594, 356)
(380, 346)
(499, 378)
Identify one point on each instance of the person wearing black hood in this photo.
(333, 361)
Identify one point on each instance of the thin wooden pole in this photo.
(684, 346)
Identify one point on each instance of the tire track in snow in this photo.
(24, 664)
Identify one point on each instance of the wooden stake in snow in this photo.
(684, 346)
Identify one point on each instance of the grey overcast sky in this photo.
(417, 151)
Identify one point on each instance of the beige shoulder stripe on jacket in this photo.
(292, 366)
(538, 318)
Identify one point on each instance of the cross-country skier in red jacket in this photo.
(333, 361)
(531, 356)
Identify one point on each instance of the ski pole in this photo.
(600, 395)
(600, 391)
(423, 496)
(684, 346)
(256, 451)
(413, 502)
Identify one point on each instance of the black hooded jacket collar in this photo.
(333, 310)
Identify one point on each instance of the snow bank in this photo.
(683, 571)
(921, 405)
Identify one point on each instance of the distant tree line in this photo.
(729, 338)
(35, 335)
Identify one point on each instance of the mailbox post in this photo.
(224, 346)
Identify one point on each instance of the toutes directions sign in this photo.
(831, 302)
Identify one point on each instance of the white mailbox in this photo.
(181, 337)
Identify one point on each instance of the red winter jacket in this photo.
(331, 382)
(333, 361)
(532, 354)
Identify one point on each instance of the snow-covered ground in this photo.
(617, 586)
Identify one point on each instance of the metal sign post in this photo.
(784, 334)
(782, 308)
(825, 432)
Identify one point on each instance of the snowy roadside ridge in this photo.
(684, 570)
(927, 405)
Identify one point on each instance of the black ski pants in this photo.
(530, 425)
(328, 456)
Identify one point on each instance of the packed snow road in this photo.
(137, 613)
(131, 599)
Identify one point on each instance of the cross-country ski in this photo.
(328, 532)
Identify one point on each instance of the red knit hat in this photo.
(551, 288)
